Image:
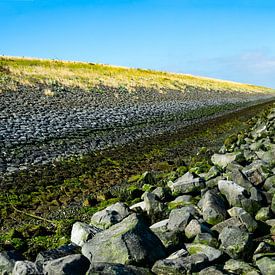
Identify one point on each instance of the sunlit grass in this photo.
(89, 75)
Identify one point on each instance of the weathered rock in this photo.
(25, 268)
(222, 160)
(181, 265)
(233, 173)
(266, 264)
(235, 242)
(272, 207)
(163, 193)
(7, 261)
(181, 201)
(110, 215)
(263, 214)
(206, 239)
(170, 239)
(68, 265)
(212, 173)
(82, 232)
(194, 228)
(53, 254)
(178, 254)
(211, 252)
(256, 172)
(212, 270)
(213, 208)
(116, 269)
(269, 183)
(153, 206)
(234, 221)
(233, 192)
(128, 242)
(179, 218)
(240, 267)
(186, 184)
(138, 207)
(246, 218)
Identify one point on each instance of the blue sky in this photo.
(227, 39)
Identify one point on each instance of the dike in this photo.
(218, 222)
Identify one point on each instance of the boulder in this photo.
(240, 267)
(128, 242)
(266, 264)
(222, 160)
(53, 254)
(246, 218)
(211, 252)
(163, 193)
(179, 218)
(153, 207)
(178, 254)
(256, 172)
(212, 173)
(234, 221)
(235, 242)
(181, 265)
(269, 183)
(118, 269)
(138, 207)
(68, 265)
(25, 268)
(186, 184)
(263, 214)
(206, 239)
(272, 207)
(211, 270)
(82, 232)
(170, 239)
(213, 208)
(111, 215)
(7, 261)
(180, 201)
(233, 192)
(194, 228)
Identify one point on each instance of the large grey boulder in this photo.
(128, 242)
(181, 265)
(211, 252)
(7, 261)
(222, 160)
(256, 172)
(213, 208)
(111, 215)
(194, 228)
(153, 206)
(234, 221)
(206, 239)
(235, 242)
(170, 239)
(240, 267)
(53, 254)
(116, 269)
(179, 218)
(266, 264)
(25, 268)
(186, 184)
(68, 265)
(233, 192)
(250, 224)
(211, 270)
(82, 232)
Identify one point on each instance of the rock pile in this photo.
(219, 222)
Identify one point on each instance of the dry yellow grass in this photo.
(88, 75)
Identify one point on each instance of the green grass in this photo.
(89, 76)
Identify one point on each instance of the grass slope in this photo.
(16, 71)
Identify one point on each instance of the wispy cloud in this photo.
(255, 67)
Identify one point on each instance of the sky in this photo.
(225, 39)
